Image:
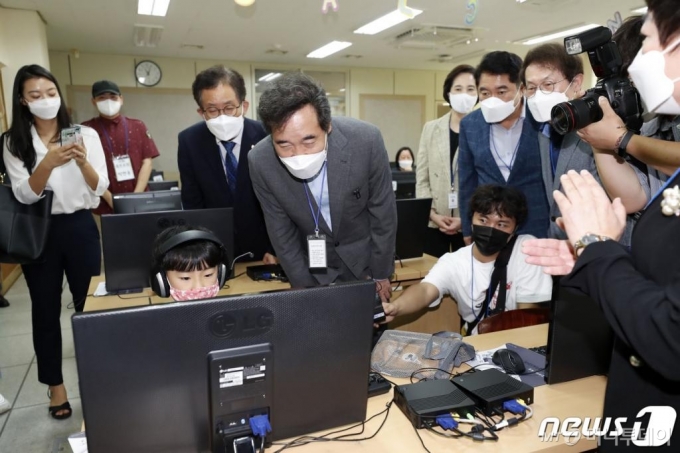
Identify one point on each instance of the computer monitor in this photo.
(580, 340)
(155, 186)
(150, 377)
(156, 175)
(412, 218)
(128, 241)
(405, 184)
(164, 200)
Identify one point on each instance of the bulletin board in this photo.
(400, 118)
(166, 112)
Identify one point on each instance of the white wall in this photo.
(22, 41)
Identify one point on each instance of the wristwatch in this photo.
(587, 240)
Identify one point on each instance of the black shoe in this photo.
(3, 302)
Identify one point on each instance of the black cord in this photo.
(430, 428)
(420, 370)
(304, 440)
(400, 263)
(421, 440)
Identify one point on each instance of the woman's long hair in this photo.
(20, 139)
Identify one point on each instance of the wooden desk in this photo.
(581, 398)
(93, 303)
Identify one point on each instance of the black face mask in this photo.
(489, 241)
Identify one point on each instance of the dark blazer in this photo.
(204, 184)
(363, 210)
(476, 167)
(639, 294)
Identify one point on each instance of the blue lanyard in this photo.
(514, 154)
(677, 172)
(311, 208)
(108, 138)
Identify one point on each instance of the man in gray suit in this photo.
(325, 188)
(552, 76)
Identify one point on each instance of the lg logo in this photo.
(165, 222)
(242, 323)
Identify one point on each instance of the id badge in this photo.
(453, 199)
(123, 167)
(316, 248)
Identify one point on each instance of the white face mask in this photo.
(656, 89)
(225, 127)
(45, 109)
(495, 110)
(306, 166)
(541, 104)
(109, 107)
(462, 102)
(405, 163)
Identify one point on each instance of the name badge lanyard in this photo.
(512, 158)
(110, 142)
(316, 216)
(316, 244)
(453, 194)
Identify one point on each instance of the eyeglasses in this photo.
(546, 87)
(214, 112)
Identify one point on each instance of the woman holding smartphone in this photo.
(76, 173)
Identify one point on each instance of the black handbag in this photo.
(23, 227)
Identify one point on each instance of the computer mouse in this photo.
(509, 360)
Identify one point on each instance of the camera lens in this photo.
(576, 114)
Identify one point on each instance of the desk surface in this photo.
(412, 270)
(581, 398)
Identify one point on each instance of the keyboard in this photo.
(543, 350)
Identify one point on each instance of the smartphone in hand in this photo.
(71, 135)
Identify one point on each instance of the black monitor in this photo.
(156, 175)
(405, 182)
(580, 340)
(130, 203)
(163, 378)
(412, 218)
(155, 186)
(128, 241)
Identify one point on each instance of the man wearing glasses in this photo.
(212, 157)
(551, 76)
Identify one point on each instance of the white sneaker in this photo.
(4, 405)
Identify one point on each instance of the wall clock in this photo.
(148, 73)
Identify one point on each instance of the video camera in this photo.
(606, 62)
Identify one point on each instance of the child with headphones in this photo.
(188, 263)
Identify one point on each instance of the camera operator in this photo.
(638, 290)
(618, 175)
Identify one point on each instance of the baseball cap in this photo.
(104, 86)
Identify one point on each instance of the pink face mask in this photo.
(182, 295)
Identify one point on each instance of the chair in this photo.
(513, 319)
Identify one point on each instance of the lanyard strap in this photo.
(311, 208)
(108, 138)
(512, 158)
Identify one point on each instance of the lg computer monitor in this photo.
(164, 378)
(155, 186)
(164, 200)
(412, 218)
(128, 241)
(405, 182)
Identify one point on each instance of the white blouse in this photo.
(71, 192)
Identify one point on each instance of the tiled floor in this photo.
(27, 427)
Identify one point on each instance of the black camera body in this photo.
(606, 62)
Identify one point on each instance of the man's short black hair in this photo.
(499, 63)
(287, 95)
(553, 56)
(214, 76)
(501, 200)
(629, 41)
(666, 16)
(455, 72)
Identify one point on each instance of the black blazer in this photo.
(204, 184)
(639, 294)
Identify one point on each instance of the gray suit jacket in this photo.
(363, 210)
(574, 154)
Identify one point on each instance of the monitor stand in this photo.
(127, 291)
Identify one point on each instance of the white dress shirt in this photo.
(71, 192)
(505, 143)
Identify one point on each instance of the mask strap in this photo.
(672, 47)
